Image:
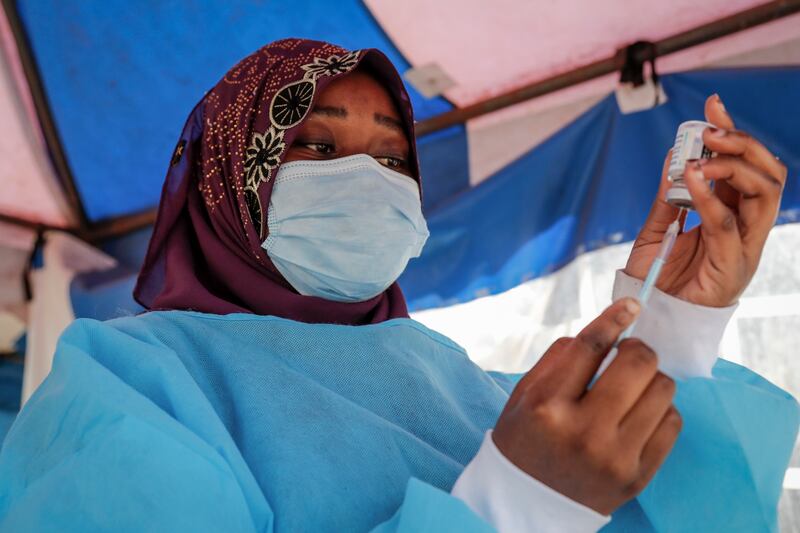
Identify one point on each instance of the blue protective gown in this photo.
(180, 421)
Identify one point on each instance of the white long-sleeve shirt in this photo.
(686, 338)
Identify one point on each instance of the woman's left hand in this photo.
(712, 264)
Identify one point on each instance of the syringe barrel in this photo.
(668, 240)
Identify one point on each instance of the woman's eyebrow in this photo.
(331, 111)
(385, 120)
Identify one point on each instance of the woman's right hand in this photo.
(599, 446)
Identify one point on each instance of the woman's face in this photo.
(353, 115)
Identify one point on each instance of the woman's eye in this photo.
(391, 162)
(322, 148)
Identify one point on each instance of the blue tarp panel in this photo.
(121, 77)
(129, 250)
(10, 385)
(10, 390)
(109, 294)
(444, 162)
(104, 295)
(589, 185)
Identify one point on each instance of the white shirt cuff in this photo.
(685, 336)
(511, 500)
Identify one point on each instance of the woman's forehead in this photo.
(358, 92)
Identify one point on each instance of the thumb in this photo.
(716, 113)
(661, 213)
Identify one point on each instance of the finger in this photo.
(660, 444)
(545, 376)
(719, 223)
(738, 143)
(759, 196)
(717, 114)
(625, 380)
(727, 194)
(586, 352)
(661, 213)
(747, 179)
(643, 419)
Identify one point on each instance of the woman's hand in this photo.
(600, 447)
(712, 264)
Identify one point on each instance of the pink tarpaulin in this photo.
(498, 138)
(489, 48)
(30, 190)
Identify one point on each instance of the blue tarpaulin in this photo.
(121, 94)
(589, 185)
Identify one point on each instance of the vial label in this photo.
(688, 146)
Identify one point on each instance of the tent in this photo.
(539, 164)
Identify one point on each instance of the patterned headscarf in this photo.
(205, 253)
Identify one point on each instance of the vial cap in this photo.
(679, 197)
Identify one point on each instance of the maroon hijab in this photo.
(205, 253)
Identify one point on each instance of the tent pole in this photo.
(99, 231)
(701, 34)
(27, 224)
(114, 227)
(54, 147)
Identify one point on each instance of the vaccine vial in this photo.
(688, 147)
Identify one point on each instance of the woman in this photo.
(278, 385)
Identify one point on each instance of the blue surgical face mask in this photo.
(343, 229)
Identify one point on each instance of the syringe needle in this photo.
(655, 269)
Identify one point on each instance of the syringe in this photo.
(655, 269)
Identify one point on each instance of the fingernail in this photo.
(694, 165)
(695, 173)
(717, 132)
(701, 162)
(632, 306)
(719, 101)
(628, 313)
